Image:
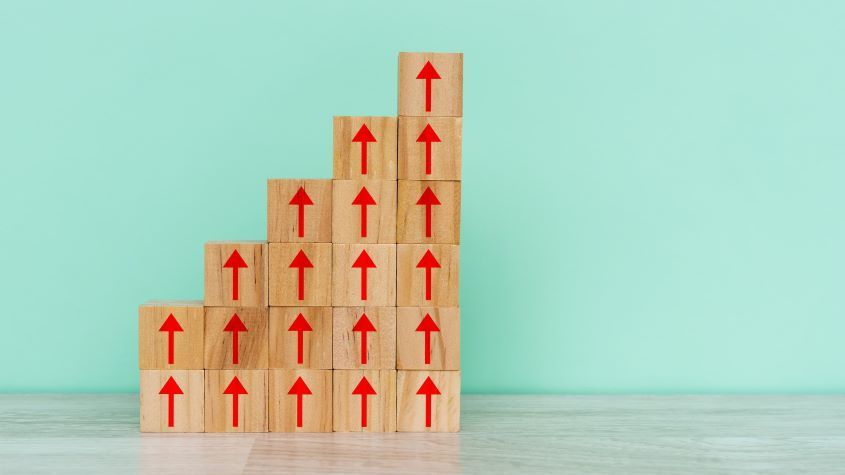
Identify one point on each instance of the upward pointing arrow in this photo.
(428, 199)
(428, 262)
(364, 262)
(235, 326)
(170, 326)
(171, 388)
(299, 325)
(428, 136)
(235, 388)
(364, 136)
(363, 199)
(301, 262)
(428, 388)
(427, 326)
(235, 262)
(300, 389)
(364, 389)
(301, 200)
(364, 326)
(428, 73)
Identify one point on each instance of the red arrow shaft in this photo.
(428, 410)
(363, 347)
(170, 344)
(427, 220)
(364, 157)
(170, 417)
(363, 410)
(235, 410)
(299, 409)
(427, 347)
(301, 283)
(428, 158)
(235, 347)
(363, 220)
(428, 95)
(428, 283)
(364, 283)
(299, 343)
(301, 220)
(235, 283)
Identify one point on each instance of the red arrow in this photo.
(364, 262)
(301, 199)
(364, 389)
(364, 325)
(170, 325)
(301, 262)
(235, 388)
(428, 199)
(300, 389)
(429, 389)
(171, 388)
(364, 136)
(236, 262)
(428, 262)
(235, 326)
(363, 199)
(428, 73)
(428, 136)
(427, 325)
(299, 325)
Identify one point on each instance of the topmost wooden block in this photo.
(431, 84)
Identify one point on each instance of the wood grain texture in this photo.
(381, 407)
(252, 407)
(445, 344)
(445, 407)
(252, 280)
(446, 92)
(316, 407)
(445, 154)
(381, 154)
(347, 280)
(284, 280)
(381, 217)
(187, 407)
(637, 435)
(411, 281)
(445, 217)
(381, 344)
(187, 344)
(283, 217)
(252, 343)
(316, 344)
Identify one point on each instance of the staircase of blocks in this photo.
(346, 318)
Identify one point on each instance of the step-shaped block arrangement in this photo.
(347, 317)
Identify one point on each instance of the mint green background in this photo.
(653, 195)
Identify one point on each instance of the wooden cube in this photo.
(429, 401)
(172, 400)
(364, 274)
(236, 338)
(429, 212)
(170, 335)
(364, 337)
(299, 210)
(300, 274)
(236, 400)
(364, 400)
(364, 211)
(428, 338)
(427, 275)
(300, 400)
(431, 84)
(430, 148)
(301, 337)
(365, 147)
(236, 274)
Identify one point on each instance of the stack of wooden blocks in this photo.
(346, 319)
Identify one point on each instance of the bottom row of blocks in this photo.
(300, 400)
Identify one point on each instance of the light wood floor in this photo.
(501, 434)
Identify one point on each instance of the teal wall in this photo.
(654, 196)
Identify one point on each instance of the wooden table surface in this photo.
(501, 434)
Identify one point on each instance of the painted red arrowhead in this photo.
(235, 260)
(364, 387)
(364, 261)
(300, 324)
(364, 198)
(428, 72)
(235, 324)
(427, 325)
(301, 261)
(235, 387)
(428, 261)
(301, 198)
(428, 198)
(364, 135)
(364, 324)
(428, 135)
(171, 387)
(428, 387)
(171, 325)
(299, 387)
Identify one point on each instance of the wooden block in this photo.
(429, 401)
(364, 400)
(440, 327)
(429, 212)
(236, 338)
(365, 147)
(364, 211)
(364, 274)
(364, 337)
(236, 274)
(172, 406)
(299, 210)
(170, 335)
(427, 275)
(301, 274)
(431, 84)
(301, 337)
(300, 400)
(430, 148)
(236, 400)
